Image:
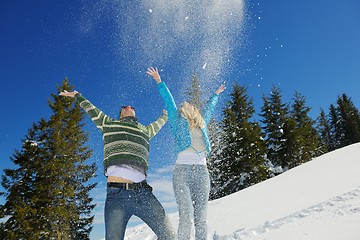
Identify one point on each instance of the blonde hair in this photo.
(192, 114)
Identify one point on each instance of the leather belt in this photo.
(129, 186)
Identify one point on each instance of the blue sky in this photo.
(104, 48)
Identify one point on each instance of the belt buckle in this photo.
(129, 186)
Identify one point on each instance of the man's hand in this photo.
(68, 94)
(154, 73)
(165, 112)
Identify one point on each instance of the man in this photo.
(126, 152)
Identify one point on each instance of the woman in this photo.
(191, 180)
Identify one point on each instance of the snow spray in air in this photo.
(199, 35)
(185, 37)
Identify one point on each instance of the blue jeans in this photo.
(121, 204)
(191, 186)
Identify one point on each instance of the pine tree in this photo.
(324, 130)
(2, 229)
(69, 141)
(304, 139)
(336, 130)
(290, 149)
(344, 123)
(48, 194)
(20, 184)
(217, 143)
(275, 116)
(241, 162)
(349, 122)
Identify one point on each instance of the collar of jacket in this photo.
(130, 119)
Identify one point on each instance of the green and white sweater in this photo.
(126, 142)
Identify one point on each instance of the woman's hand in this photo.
(220, 89)
(68, 94)
(154, 73)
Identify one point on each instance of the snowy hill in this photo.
(317, 200)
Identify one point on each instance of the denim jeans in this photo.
(191, 186)
(121, 204)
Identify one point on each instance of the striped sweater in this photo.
(126, 142)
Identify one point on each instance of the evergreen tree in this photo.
(216, 137)
(2, 230)
(304, 140)
(48, 194)
(216, 142)
(275, 116)
(241, 161)
(290, 149)
(336, 130)
(349, 121)
(324, 130)
(20, 184)
(344, 123)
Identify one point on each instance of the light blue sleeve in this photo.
(209, 108)
(170, 105)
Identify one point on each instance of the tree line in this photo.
(249, 148)
(48, 192)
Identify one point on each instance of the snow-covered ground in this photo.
(317, 200)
